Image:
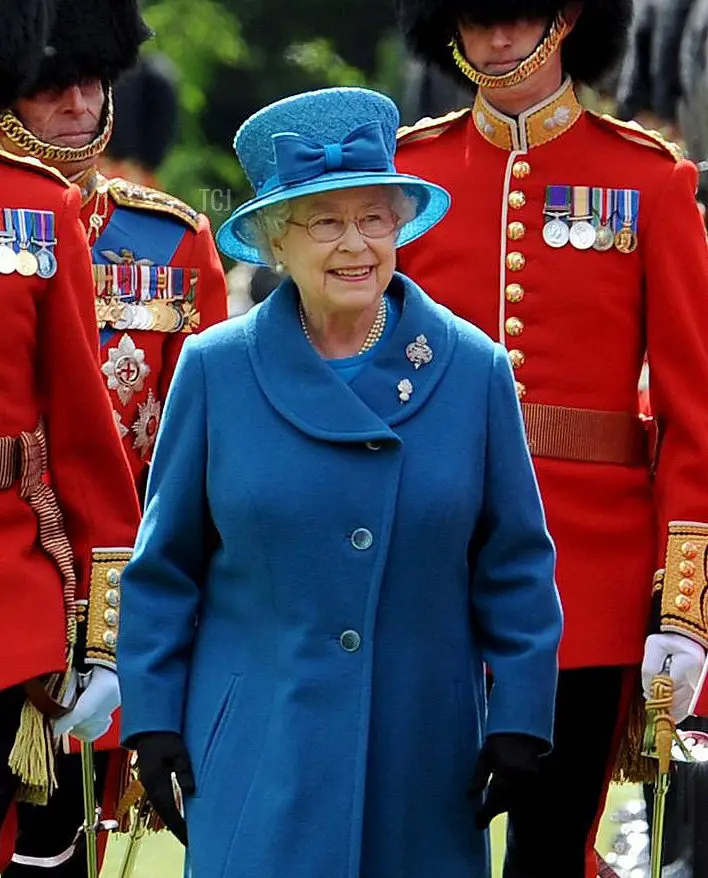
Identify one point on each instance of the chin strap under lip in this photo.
(548, 46)
(12, 129)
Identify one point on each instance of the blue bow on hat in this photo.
(299, 158)
(317, 142)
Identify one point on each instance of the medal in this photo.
(626, 240)
(555, 231)
(27, 264)
(44, 238)
(582, 233)
(46, 264)
(626, 236)
(8, 261)
(603, 211)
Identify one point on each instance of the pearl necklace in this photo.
(373, 336)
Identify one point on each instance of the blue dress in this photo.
(322, 575)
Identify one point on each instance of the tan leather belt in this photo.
(586, 435)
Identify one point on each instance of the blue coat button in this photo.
(362, 539)
(350, 641)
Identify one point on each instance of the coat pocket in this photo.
(220, 723)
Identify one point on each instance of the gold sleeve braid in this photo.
(684, 596)
(103, 612)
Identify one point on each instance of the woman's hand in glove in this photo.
(510, 765)
(160, 754)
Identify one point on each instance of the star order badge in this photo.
(125, 369)
(145, 427)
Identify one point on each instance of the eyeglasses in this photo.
(327, 228)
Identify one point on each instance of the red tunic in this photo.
(138, 406)
(48, 373)
(577, 324)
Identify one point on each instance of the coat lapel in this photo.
(308, 393)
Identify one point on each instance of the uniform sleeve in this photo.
(211, 297)
(162, 583)
(516, 607)
(88, 470)
(676, 259)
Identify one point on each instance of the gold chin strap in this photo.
(545, 49)
(29, 145)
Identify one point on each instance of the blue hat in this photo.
(336, 138)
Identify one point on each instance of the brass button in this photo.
(689, 550)
(683, 603)
(514, 326)
(687, 587)
(515, 261)
(111, 618)
(520, 170)
(520, 390)
(517, 199)
(110, 639)
(687, 568)
(112, 597)
(514, 293)
(517, 358)
(515, 231)
(113, 576)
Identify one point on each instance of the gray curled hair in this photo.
(270, 222)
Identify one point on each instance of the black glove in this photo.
(513, 761)
(160, 754)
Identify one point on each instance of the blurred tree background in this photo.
(232, 57)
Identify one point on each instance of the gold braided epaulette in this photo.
(127, 194)
(684, 595)
(636, 133)
(428, 127)
(103, 612)
(33, 164)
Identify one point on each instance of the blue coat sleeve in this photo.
(516, 608)
(162, 584)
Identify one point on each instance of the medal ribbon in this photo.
(630, 208)
(10, 233)
(21, 217)
(581, 203)
(557, 201)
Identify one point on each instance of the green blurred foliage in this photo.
(198, 37)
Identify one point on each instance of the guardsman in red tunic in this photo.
(157, 279)
(68, 509)
(575, 240)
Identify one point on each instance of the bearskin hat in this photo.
(24, 27)
(91, 39)
(146, 108)
(593, 47)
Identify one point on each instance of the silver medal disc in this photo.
(582, 235)
(605, 239)
(8, 259)
(47, 262)
(556, 233)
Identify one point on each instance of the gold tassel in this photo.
(632, 766)
(32, 757)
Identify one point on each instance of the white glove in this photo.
(91, 717)
(687, 664)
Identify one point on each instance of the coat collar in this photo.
(308, 393)
(538, 125)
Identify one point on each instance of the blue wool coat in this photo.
(321, 574)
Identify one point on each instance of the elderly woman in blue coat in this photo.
(343, 533)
